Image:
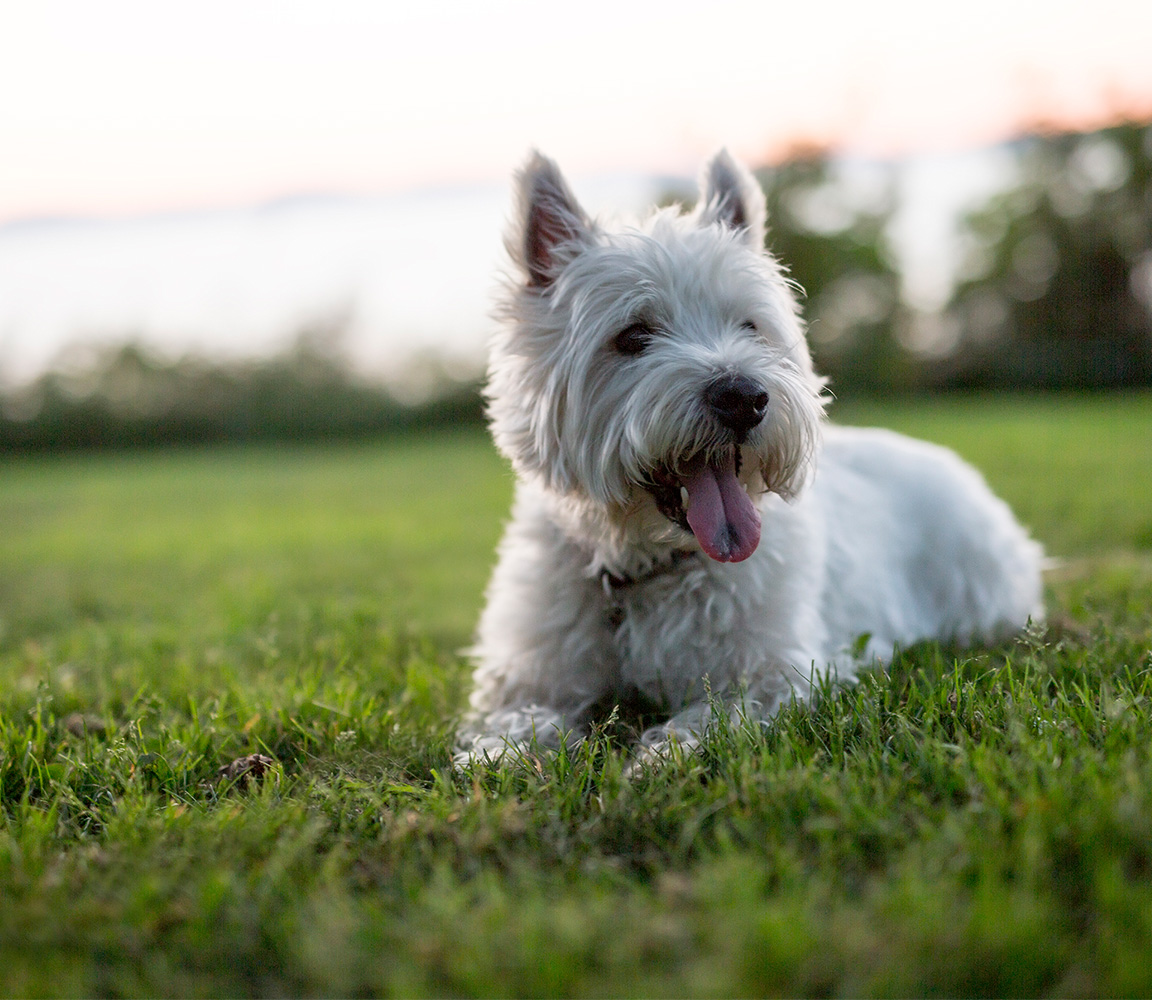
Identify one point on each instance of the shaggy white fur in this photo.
(686, 527)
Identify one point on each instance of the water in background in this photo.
(405, 275)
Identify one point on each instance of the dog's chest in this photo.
(673, 631)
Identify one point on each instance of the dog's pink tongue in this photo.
(721, 515)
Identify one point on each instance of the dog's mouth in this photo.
(703, 495)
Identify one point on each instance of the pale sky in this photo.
(115, 106)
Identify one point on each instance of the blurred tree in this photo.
(1056, 291)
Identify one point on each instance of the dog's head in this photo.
(656, 375)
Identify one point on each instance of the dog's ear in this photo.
(551, 224)
(730, 196)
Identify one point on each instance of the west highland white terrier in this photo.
(687, 531)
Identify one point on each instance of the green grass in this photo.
(966, 822)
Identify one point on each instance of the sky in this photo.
(134, 106)
(178, 139)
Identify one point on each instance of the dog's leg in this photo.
(757, 702)
(544, 646)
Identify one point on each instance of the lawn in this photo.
(965, 822)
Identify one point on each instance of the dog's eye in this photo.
(633, 339)
(748, 325)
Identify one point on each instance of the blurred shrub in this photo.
(128, 396)
(1056, 290)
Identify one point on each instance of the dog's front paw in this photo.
(474, 754)
(652, 756)
(647, 760)
(519, 737)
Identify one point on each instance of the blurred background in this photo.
(283, 219)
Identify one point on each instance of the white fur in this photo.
(864, 532)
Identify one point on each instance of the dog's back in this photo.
(918, 546)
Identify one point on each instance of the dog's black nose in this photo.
(737, 401)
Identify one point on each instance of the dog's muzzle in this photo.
(738, 402)
(702, 492)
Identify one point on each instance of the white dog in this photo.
(686, 529)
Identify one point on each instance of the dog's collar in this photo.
(615, 582)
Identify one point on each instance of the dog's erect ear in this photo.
(550, 222)
(730, 195)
